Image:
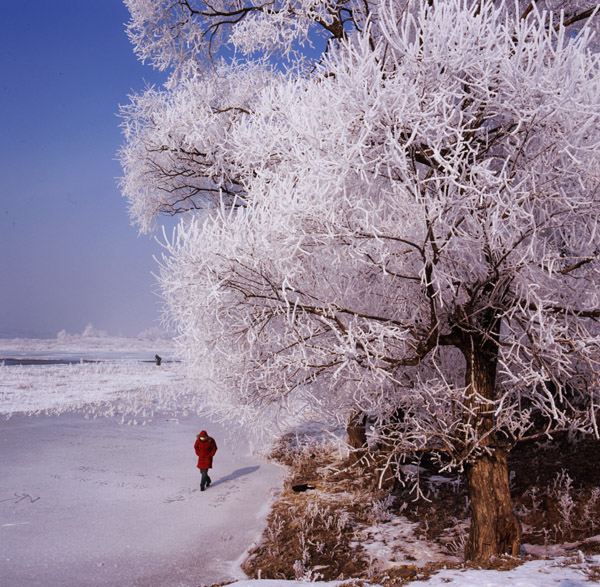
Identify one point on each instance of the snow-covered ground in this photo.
(531, 574)
(85, 499)
(93, 502)
(75, 372)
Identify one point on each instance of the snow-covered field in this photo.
(90, 373)
(87, 500)
(84, 346)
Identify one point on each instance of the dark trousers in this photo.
(205, 480)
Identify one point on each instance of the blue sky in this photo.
(68, 254)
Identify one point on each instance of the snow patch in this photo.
(395, 543)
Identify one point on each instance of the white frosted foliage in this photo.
(356, 227)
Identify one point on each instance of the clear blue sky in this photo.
(68, 254)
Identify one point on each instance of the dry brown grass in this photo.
(309, 533)
(316, 534)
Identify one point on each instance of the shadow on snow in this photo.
(236, 475)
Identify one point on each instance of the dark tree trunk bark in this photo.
(495, 529)
(357, 436)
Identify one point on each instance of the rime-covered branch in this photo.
(405, 225)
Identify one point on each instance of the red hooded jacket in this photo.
(205, 448)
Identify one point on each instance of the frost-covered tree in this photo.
(404, 224)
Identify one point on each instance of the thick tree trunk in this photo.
(357, 436)
(495, 529)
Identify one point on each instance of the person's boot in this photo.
(208, 482)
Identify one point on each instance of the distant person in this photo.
(158, 359)
(205, 448)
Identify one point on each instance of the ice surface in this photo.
(98, 503)
(90, 501)
(86, 347)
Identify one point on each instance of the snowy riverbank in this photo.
(86, 499)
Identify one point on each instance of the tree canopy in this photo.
(404, 224)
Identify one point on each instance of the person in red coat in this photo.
(205, 448)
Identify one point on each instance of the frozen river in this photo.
(93, 502)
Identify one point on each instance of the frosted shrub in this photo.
(590, 517)
(561, 491)
(342, 521)
(299, 570)
(561, 511)
(456, 547)
(381, 512)
(302, 573)
(531, 496)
